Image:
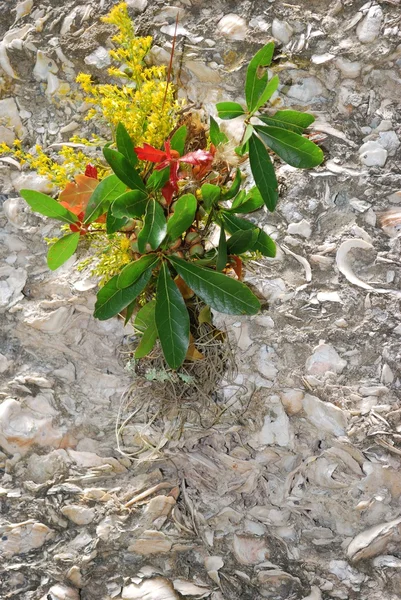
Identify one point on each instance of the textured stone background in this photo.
(294, 493)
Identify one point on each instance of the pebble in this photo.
(43, 66)
(19, 538)
(137, 5)
(292, 401)
(232, 27)
(387, 375)
(307, 89)
(10, 121)
(99, 58)
(390, 141)
(80, 515)
(276, 427)
(369, 28)
(325, 359)
(348, 69)
(325, 415)
(282, 31)
(150, 542)
(303, 229)
(61, 592)
(372, 154)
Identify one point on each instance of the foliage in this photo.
(154, 204)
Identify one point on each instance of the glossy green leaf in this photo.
(216, 135)
(294, 149)
(256, 76)
(289, 119)
(62, 250)
(263, 172)
(268, 92)
(264, 244)
(123, 169)
(48, 207)
(242, 240)
(217, 290)
(243, 147)
(103, 195)
(158, 179)
(145, 323)
(128, 312)
(247, 202)
(178, 140)
(210, 195)
(111, 299)
(234, 188)
(154, 227)
(172, 319)
(125, 145)
(238, 200)
(113, 223)
(130, 204)
(134, 270)
(183, 216)
(229, 110)
(222, 251)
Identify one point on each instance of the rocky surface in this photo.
(293, 492)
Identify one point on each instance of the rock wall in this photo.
(294, 492)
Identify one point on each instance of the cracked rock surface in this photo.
(294, 492)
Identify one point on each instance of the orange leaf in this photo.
(75, 196)
(238, 266)
(186, 291)
(192, 352)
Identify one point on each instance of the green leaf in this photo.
(263, 172)
(125, 145)
(210, 195)
(264, 244)
(111, 299)
(233, 190)
(217, 290)
(145, 323)
(134, 270)
(256, 82)
(294, 149)
(222, 251)
(154, 227)
(289, 119)
(113, 223)
(62, 250)
(216, 135)
(241, 241)
(268, 92)
(178, 140)
(128, 312)
(229, 110)
(130, 204)
(183, 216)
(172, 319)
(47, 206)
(123, 169)
(243, 148)
(158, 179)
(103, 195)
(247, 202)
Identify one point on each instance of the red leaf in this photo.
(91, 171)
(150, 154)
(75, 196)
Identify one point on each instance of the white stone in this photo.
(4, 363)
(137, 5)
(325, 416)
(372, 154)
(19, 538)
(328, 297)
(80, 515)
(276, 428)
(325, 358)
(61, 592)
(202, 72)
(369, 28)
(31, 181)
(282, 31)
(307, 89)
(11, 287)
(303, 228)
(44, 467)
(348, 69)
(10, 118)
(321, 59)
(292, 401)
(387, 375)
(53, 322)
(23, 9)
(43, 66)
(156, 588)
(150, 542)
(390, 141)
(264, 364)
(99, 58)
(232, 27)
(21, 427)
